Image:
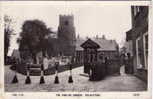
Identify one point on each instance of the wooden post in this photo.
(70, 77)
(28, 80)
(42, 81)
(15, 79)
(56, 73)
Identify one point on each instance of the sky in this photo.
(90, 20)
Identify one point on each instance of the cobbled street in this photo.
(81, 83)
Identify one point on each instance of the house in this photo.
(97, 50)
(108, 48)
(138, 37)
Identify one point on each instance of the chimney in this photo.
(78, 36)
(103, 37)
(87, 37)
(111, 41)
(133, 14)
(96, 36)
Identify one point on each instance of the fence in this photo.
(30, 67)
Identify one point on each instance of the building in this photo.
(90, 56)
(97, 50)
(60, 43)
(66, 35)
(79, 50)
(108, 48)
(64, 42)
(137, 38)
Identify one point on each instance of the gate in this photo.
(95, 69)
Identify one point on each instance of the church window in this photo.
(66, 23)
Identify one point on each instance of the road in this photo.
(81, 83)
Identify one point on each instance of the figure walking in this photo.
(129, 63)
(106, 65)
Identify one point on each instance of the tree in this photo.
(34, 36)
(8, 31)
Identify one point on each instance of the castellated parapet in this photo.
(66, 18)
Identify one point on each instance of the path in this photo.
(81, 83)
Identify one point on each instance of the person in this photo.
(91, 71)
(129, 62)
(106, 65)
(126, 63)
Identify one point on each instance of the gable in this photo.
(90, 44)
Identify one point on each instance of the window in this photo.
(66, 23)
(136, 10)
(139, 53)
(145, 43)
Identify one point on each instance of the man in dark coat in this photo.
(106, 65)
(129, 63)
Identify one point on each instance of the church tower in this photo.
(66, 35)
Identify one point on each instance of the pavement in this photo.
(81, 83)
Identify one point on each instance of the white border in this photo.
(52, 95)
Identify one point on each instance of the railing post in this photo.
(42, 81)
(28, 80)
(70, 77)
(56, 73)
(15, 79)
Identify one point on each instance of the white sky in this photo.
(89, 19)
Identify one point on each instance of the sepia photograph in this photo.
(75, 47)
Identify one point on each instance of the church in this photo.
(64, 43)
(67, 45)
(61, 43)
